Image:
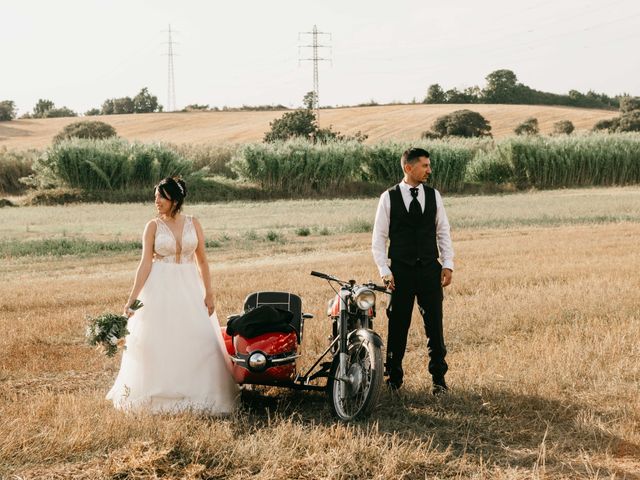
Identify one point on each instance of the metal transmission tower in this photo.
(171, 82)
(315, 58)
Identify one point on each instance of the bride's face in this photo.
(163, 205)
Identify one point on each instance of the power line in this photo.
(171, 81)
(315, 59)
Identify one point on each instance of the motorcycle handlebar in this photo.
(377, 288)
(321, 275)
(372, 286)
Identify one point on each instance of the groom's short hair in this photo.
(411, 155)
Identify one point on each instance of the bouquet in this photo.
(107, 331)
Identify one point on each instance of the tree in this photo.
(630, 122)
(92, 112)
(194, 107)
(629, 104)
(563, 127)
(60, 112)
(144, 102)
(47, 109)
(502, 87)
(301, 123)
(42, 107)
(122, 105)
(462, 123)
(528, 127)
(7, 110)
(108, 107)
(309, 100)
(86, 129)
(435, 94)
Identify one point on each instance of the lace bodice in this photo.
(169, 249)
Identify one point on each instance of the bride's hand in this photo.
(208, 301)
(127, 312)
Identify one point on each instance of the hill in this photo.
(388, 122)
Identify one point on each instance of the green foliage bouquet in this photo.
(107, 331)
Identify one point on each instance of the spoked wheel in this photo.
(357, 393)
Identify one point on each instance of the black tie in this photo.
(414, 207)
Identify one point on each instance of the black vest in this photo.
(412, 239)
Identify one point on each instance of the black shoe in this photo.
(394, 385)
(439, 386)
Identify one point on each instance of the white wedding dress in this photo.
(175, 358)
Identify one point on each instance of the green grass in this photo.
(65, 246)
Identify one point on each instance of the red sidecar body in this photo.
(268, 358)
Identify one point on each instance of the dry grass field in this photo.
(542, 325)
(392, 122)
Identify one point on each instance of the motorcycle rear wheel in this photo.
(364, 380)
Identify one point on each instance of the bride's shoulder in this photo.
(151, 226)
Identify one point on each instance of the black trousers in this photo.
(421, 281)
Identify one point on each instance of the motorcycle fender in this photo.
(370, 335)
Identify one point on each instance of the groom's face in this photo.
(420, 170)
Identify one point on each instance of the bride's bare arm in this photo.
(144, 267)
(203, 267)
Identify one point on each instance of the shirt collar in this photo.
(406, 186)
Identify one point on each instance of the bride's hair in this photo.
(174, 189)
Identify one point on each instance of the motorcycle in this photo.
(349, 370)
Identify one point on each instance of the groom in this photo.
(411, 217)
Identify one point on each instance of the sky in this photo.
(79, 53)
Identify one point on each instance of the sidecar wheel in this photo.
(364, 380)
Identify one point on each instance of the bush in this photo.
(429, 135)
(610, 125)
(462, 123)
(92, 129)
(528, 127)
(563, 127)
(301, 123)
(13, 167)
(55, 196)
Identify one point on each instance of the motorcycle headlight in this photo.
(257, 361)
(365, 298)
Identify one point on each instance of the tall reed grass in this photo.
(449, 161)
(300, 167)
(214, 158)
(561, 161)
(107, 165)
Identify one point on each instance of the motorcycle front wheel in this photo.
(356, 394)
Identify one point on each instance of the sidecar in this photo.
(265, 353)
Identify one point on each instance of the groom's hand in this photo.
(446, 276)
(389, 282)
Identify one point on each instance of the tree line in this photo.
(143, 102)
(503, 87)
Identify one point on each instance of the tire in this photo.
(364, 368)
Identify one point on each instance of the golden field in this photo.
(542, 326)
(389, 122)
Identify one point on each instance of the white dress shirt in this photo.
(383, 218)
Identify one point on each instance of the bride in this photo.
(175, 357)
